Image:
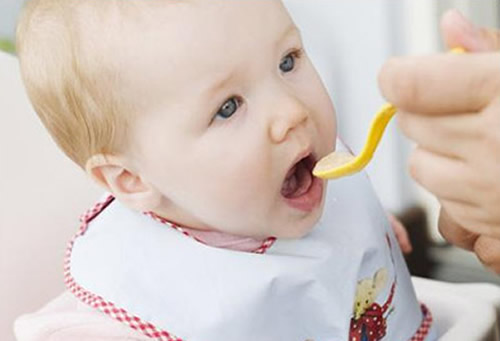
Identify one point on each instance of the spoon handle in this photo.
(336, 166)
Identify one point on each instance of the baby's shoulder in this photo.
(66, 318)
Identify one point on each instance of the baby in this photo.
(204, 119)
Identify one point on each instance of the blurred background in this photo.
(348, 40)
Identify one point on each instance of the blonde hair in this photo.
(69, 75)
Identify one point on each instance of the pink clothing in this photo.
(225, 241)
(68, 319)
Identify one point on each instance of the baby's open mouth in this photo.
(299, 178)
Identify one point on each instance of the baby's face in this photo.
(228, 104)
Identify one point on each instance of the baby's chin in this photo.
(300, 229)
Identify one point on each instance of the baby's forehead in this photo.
(184, 40)
(187, 24)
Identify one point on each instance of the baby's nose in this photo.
(292, 114)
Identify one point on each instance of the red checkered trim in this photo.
(134, 322)
(92, 212)
(425, 326)
(97, 302)
(266, 244)
(171, 224)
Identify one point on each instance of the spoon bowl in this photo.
(339, 164)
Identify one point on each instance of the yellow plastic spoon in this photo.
(340, 164)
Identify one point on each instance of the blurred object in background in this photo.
(7, 45)
(439, 260)
(8, 15)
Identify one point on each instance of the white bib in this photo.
(299, 290)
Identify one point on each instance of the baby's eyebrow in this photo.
(290, 30)
(220, 84)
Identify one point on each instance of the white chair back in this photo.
(42, 194)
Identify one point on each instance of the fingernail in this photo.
(474, 38)
(466, 25)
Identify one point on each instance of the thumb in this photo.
(454, 233)
(458, 31)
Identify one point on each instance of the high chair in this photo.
(468, 312)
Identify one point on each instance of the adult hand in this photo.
(450, 106)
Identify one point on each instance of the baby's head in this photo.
(198, 110)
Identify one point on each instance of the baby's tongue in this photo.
(289, 186)
(297, 182)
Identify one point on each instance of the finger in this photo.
(442, 176)
(458, 31)
(440, 134)
(472, 218)
(485, 247)
(401, 235)
(454, 233)
(487, 250)
(442, 84)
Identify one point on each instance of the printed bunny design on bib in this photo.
(368, 322)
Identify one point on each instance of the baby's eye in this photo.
(228, 108)
(288, 63)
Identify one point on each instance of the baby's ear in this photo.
(127, 186)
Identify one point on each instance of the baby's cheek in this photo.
(324, 111)
(245, 187)
(329, 124)
(236, 180)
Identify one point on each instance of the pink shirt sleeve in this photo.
(67, 319)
